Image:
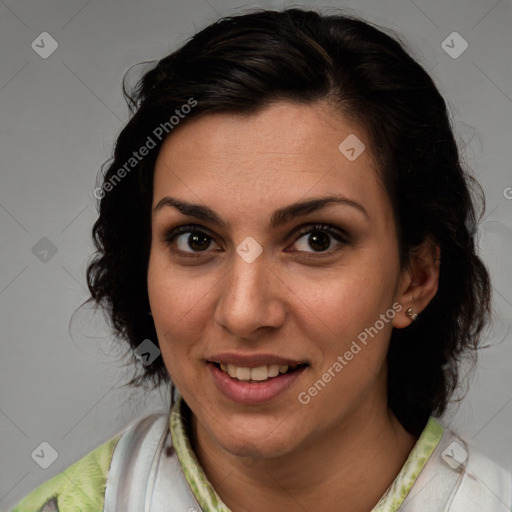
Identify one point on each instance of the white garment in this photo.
(459, 478)
(142, 478)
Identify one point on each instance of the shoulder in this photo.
(459, 452)
(461, 477)
(82, 485)
(482, 481)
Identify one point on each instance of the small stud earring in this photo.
(411, 315)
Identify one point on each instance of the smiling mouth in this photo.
(259, 374)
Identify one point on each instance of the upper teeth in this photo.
(259, 373)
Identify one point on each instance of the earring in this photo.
(411, 315)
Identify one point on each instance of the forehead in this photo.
(278, 154)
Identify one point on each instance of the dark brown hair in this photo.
(240, 64)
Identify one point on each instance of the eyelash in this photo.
(335, 232)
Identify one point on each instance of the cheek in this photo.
(336, 307)
(343, 317)
(172, 294)
(177, 313)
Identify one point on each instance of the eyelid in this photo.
(297, 231)
(341, 235)
(321, 226)
(171, 233)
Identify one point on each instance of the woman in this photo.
(286, 221)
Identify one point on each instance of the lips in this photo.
(254, 392)
(254, 378)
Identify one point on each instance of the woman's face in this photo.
(249, 281)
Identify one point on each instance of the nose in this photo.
(251, 298)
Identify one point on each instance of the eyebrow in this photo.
(279, 217)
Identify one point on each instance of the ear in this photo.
(419, 282)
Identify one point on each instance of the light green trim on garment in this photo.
(203, 491)
(81, 487)
(211, 502)
(421, 452)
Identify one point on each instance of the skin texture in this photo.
(284, 454)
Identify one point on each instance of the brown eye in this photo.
(320, 238)
(189, 240)
(196, 240)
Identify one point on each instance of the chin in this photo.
(261, 440)
(260, 448)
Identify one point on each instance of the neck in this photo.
(329, 473)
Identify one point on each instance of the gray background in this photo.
(58, 119)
